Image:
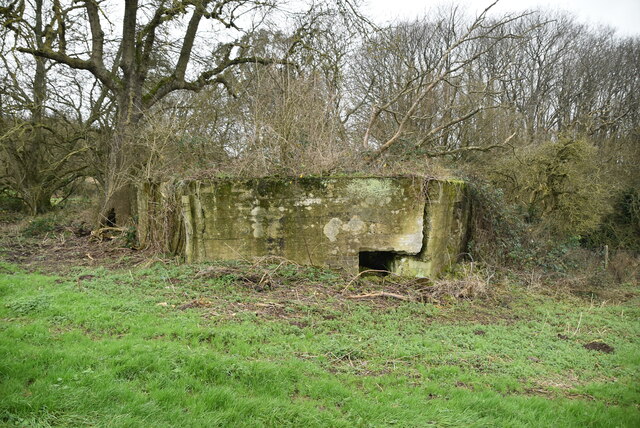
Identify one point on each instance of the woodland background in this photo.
(538, 112)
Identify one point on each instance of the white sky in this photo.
(623, 15)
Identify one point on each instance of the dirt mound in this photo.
(599, 346)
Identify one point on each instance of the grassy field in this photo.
(167, 346)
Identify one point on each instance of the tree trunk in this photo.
(119, 189)
(37, 199)
(38, 195)
(42, 203)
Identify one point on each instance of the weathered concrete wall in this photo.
(447, 215)
(411, 226)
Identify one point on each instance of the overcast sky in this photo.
(624, 15)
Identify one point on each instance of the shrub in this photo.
(621, 228)
(10, 202)
(558, 185)
(625, 267)
(39, 226)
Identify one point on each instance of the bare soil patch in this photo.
(599, 346)
(63, 248)
(274, 288)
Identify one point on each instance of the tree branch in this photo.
(471, 148)
(205, 78)
(448, 124)
(129, 39)
(101, 74)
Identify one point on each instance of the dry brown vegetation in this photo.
(537, 111)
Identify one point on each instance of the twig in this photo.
(578, 327)
(110, 229)
(381, 294)
(363, 272)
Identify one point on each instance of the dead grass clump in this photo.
(196, 303)
(270, 272)
(470, 287)
(625, 267)
(466, 283)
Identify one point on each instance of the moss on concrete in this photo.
(446, 219)
(320, 221)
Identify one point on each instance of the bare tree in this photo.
(41, 145)
(420, 83)
(126, 63)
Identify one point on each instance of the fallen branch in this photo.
(381, 294)
(110, 229)
(471, 148)
(108, 233)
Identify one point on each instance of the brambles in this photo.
(40, 226)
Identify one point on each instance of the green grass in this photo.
(101, 351)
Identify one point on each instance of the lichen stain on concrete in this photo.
(355, 225)
(371, 189)
(409, 244)
(257, 213)
(308, 202)
(323, 221)
(332, 228)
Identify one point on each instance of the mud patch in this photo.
(56, 253)
(599, 346)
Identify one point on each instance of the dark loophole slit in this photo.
(376, 260)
